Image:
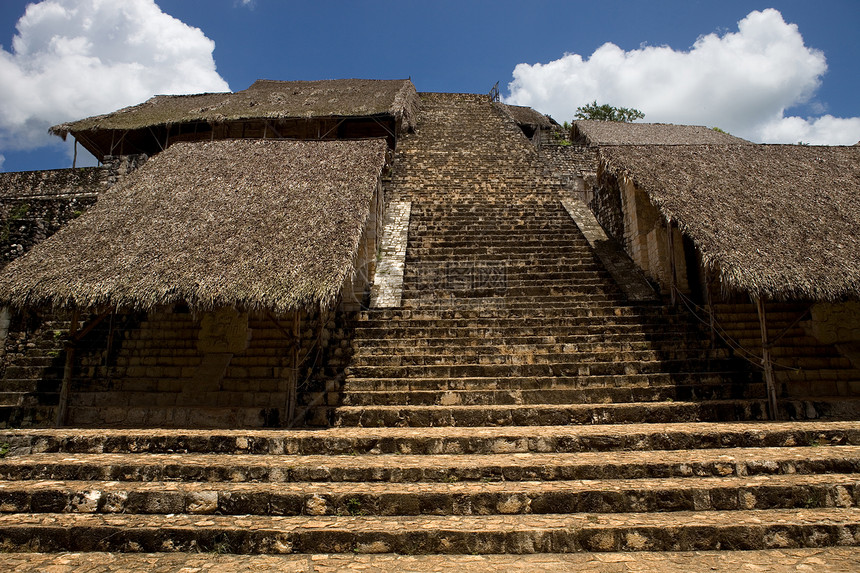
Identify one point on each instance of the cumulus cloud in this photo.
(742, 82)
(75, 58)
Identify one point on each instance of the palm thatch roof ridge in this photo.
(525, 115)
(252, 224)
(777, 221)
(269, 99)
(598, 133)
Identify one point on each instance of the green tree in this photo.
(607, 112)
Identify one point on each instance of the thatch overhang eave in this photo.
(264, 99)
(597, 133)
(779, 222)
(253, 224)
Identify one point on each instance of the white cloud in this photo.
(75, 58)
(741, 82)
(2, 160)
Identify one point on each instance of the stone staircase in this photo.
(515, 403)
(33, 374)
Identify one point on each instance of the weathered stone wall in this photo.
(573, 166)
(628, 215)
(172, 368)
(356, 289)
(807, 359)
(606, 206)
(838, 324)
(36, 204)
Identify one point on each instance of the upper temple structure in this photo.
(343, 316)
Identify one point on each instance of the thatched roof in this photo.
(524, 115)
(781, 221)
(619, 133)
(264, 99)
(254, 224)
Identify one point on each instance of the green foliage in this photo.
(4, 449)
(353, 506)
(560, 139)
(607, 112)
(718, 130)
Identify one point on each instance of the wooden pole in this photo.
(75, 157)
(63, 405)
(766, 362)
(292, 381)
(670, 243)
(711, 310)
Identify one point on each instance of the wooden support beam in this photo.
(292, 394)
(155, 137)
(63, 405)
(95, 322)
(336, 125)
(766, 360)
(75, 157)
(712, 318)
(391, 133)
(274, 130)
(670, 245)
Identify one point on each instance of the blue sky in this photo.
(461, 46)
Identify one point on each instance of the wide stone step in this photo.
(761, 492)
(582, 300)
(440, 440)
(599, 320)
(523, 345)
(589, 331)
(569, 368)
(583, 258)
(499, 230)
(444, 468)
(535, 289)
(433, 534)
(478, 396)
(571, 310)
(505, 284)
(512, 275)
(824, 558)
(465, 251)
(513, 383)
(516, 356)
(552, 415)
